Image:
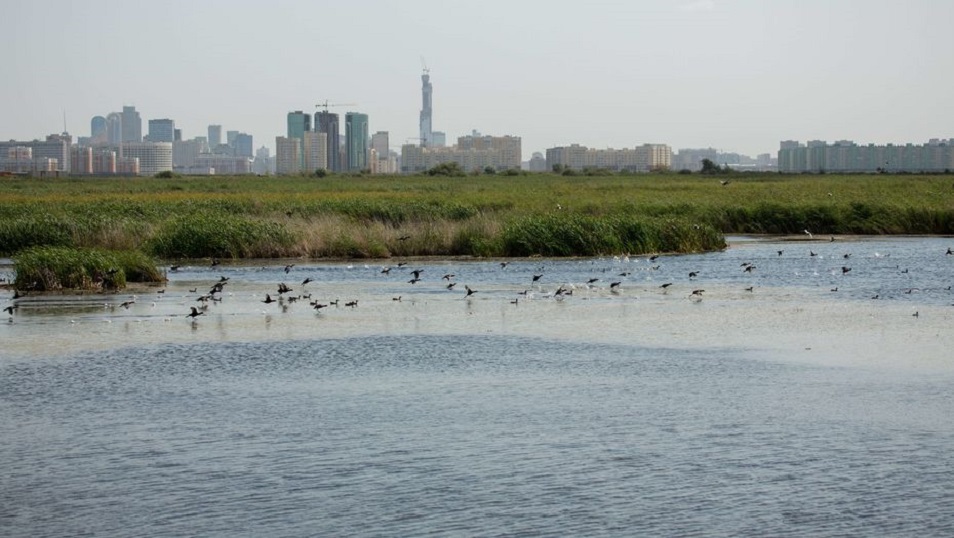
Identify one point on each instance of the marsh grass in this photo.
(60, 268)
(489, 215)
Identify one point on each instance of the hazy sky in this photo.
(737, 75)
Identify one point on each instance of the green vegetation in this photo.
(57, 268)
(449, 214)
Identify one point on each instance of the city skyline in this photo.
(740, 76)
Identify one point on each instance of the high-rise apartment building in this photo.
(288, 155)
(356, 141)
(380, 143)
(845, 156)
(132, 125)
(327, 122)
(316, 151)
(163, 130)
(427, 137)
(645, 158)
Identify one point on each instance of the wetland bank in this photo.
(480, 216)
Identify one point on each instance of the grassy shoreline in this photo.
(483, 216)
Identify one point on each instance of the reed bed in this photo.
(57, 268)
(537, 214)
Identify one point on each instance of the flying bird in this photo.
(469, 291)
(195, 313)
(288, 268)
(307, 280)
(268, 299)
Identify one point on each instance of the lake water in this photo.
(786, 410)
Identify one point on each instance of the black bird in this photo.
(950, 252)
(653, 257)
(750, 288)
(614, 285)
(398, 298)
(847, 255)
(386, 270)
(417, 273)
(845, 269)
(780, 252)
(749, 268)
(10, 309)
(401, 264)
(503, 264)
(469, 291)
(288, 268)
(268, 299)
(812, 253)
(193, 290)
(174, 268)
(448, 276)
(592, 280)
(195, 313)
(352, 304)
(693, 274)
(537, 278)
(835, 288)
(696, 293)
(624, 273)
(307, 280)
(404, 238)
(318, 306)
(414, 281)
(666, 285)
(451, 285)
(283, 288)
(127, 304)
(335, 302)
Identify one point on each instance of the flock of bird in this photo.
(283, 295)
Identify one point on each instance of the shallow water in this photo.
(788, 410)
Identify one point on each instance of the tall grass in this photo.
(220, 235)
(58, 268)
(481, 216)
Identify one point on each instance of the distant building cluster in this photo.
(319, 142)
(472, 152)
(691, 159)
(309, 147)
(645, 158)
(116, 146)
(818, 156)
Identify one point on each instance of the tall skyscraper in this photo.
(427, 137)
(242, 145)
(356, 141)
(163, 130)
(132, 125)
(299, 123)
(327, 122)
(114, 128)
(97, 130)
(215, 136)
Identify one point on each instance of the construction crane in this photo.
(325, 105)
